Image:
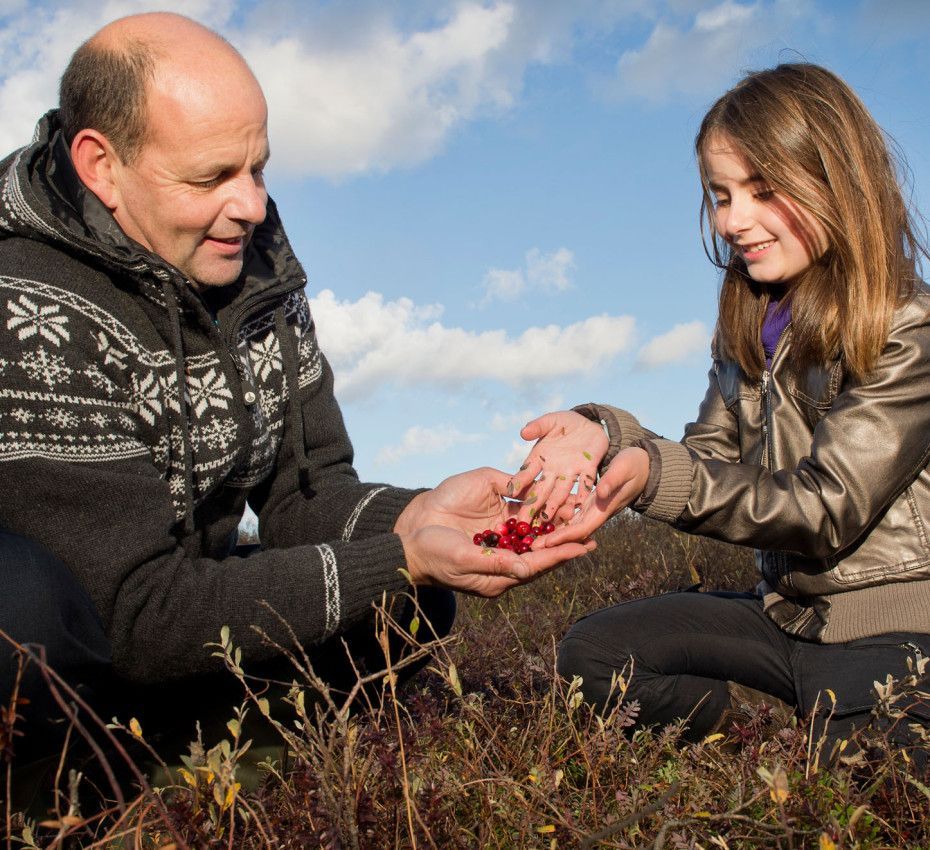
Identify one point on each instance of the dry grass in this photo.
(486, 749)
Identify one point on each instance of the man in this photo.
(159, 367)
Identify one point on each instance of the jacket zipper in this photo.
(767, 451)
(766, 403)
(766, 375)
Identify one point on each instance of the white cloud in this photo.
(701, 57)
(681, 343)
(550, 272)
(349, 330)
(688, 61)
(503, 285)
(388, 99)
(420, 440)
(407, 347)
(542, 272)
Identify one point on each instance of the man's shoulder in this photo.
(33, 260)
(50, 295)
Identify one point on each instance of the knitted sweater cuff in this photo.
(668, 488)
(377, 512)
(623, 429)
(374, 569)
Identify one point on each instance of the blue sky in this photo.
(496, 202)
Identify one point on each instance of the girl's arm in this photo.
(581, 444)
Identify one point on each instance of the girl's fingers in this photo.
(536, 497)
(521, 480)
(559, 496)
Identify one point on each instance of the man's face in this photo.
(195, 192)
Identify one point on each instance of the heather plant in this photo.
(487, 748)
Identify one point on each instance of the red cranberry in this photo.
(491, 539)
(521, 548)
(522, 528)
(548, 527)
(511, 523)
(501, 529)
(528, 540)
(478, 539)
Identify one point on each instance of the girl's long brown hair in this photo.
(810, 138)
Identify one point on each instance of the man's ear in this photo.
(97, 166)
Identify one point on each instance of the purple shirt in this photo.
(776, 320)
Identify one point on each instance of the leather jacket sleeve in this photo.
(714, 434)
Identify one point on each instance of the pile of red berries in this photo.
(518, 536)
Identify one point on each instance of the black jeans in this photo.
(685, 648)
(42, 604)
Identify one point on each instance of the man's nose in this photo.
(248, 200)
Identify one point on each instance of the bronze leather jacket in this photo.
(825, 476)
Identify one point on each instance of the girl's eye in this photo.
(721, 202)
(764, 194)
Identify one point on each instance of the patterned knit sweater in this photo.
(139, 488)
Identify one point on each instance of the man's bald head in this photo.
(106, 83)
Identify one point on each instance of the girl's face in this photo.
(777, 239)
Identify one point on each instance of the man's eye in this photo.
(212, 183)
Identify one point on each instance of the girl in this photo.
(812, 442)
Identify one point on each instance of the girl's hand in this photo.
(569, 448)
(622, 483)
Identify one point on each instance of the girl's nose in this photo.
(739, 217)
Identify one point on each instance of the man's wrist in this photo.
(413, 516)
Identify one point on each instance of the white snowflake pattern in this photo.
(112, 356)
(217, 433)
(61, 418)
(208, 391)
(99, 419)
(169, 389)
(145, 397)
(42, 365)
(126, 422)
(311, 363)
(20, 414)
(269, 401)
(99, 380)
(30, 319)
(266, 355)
